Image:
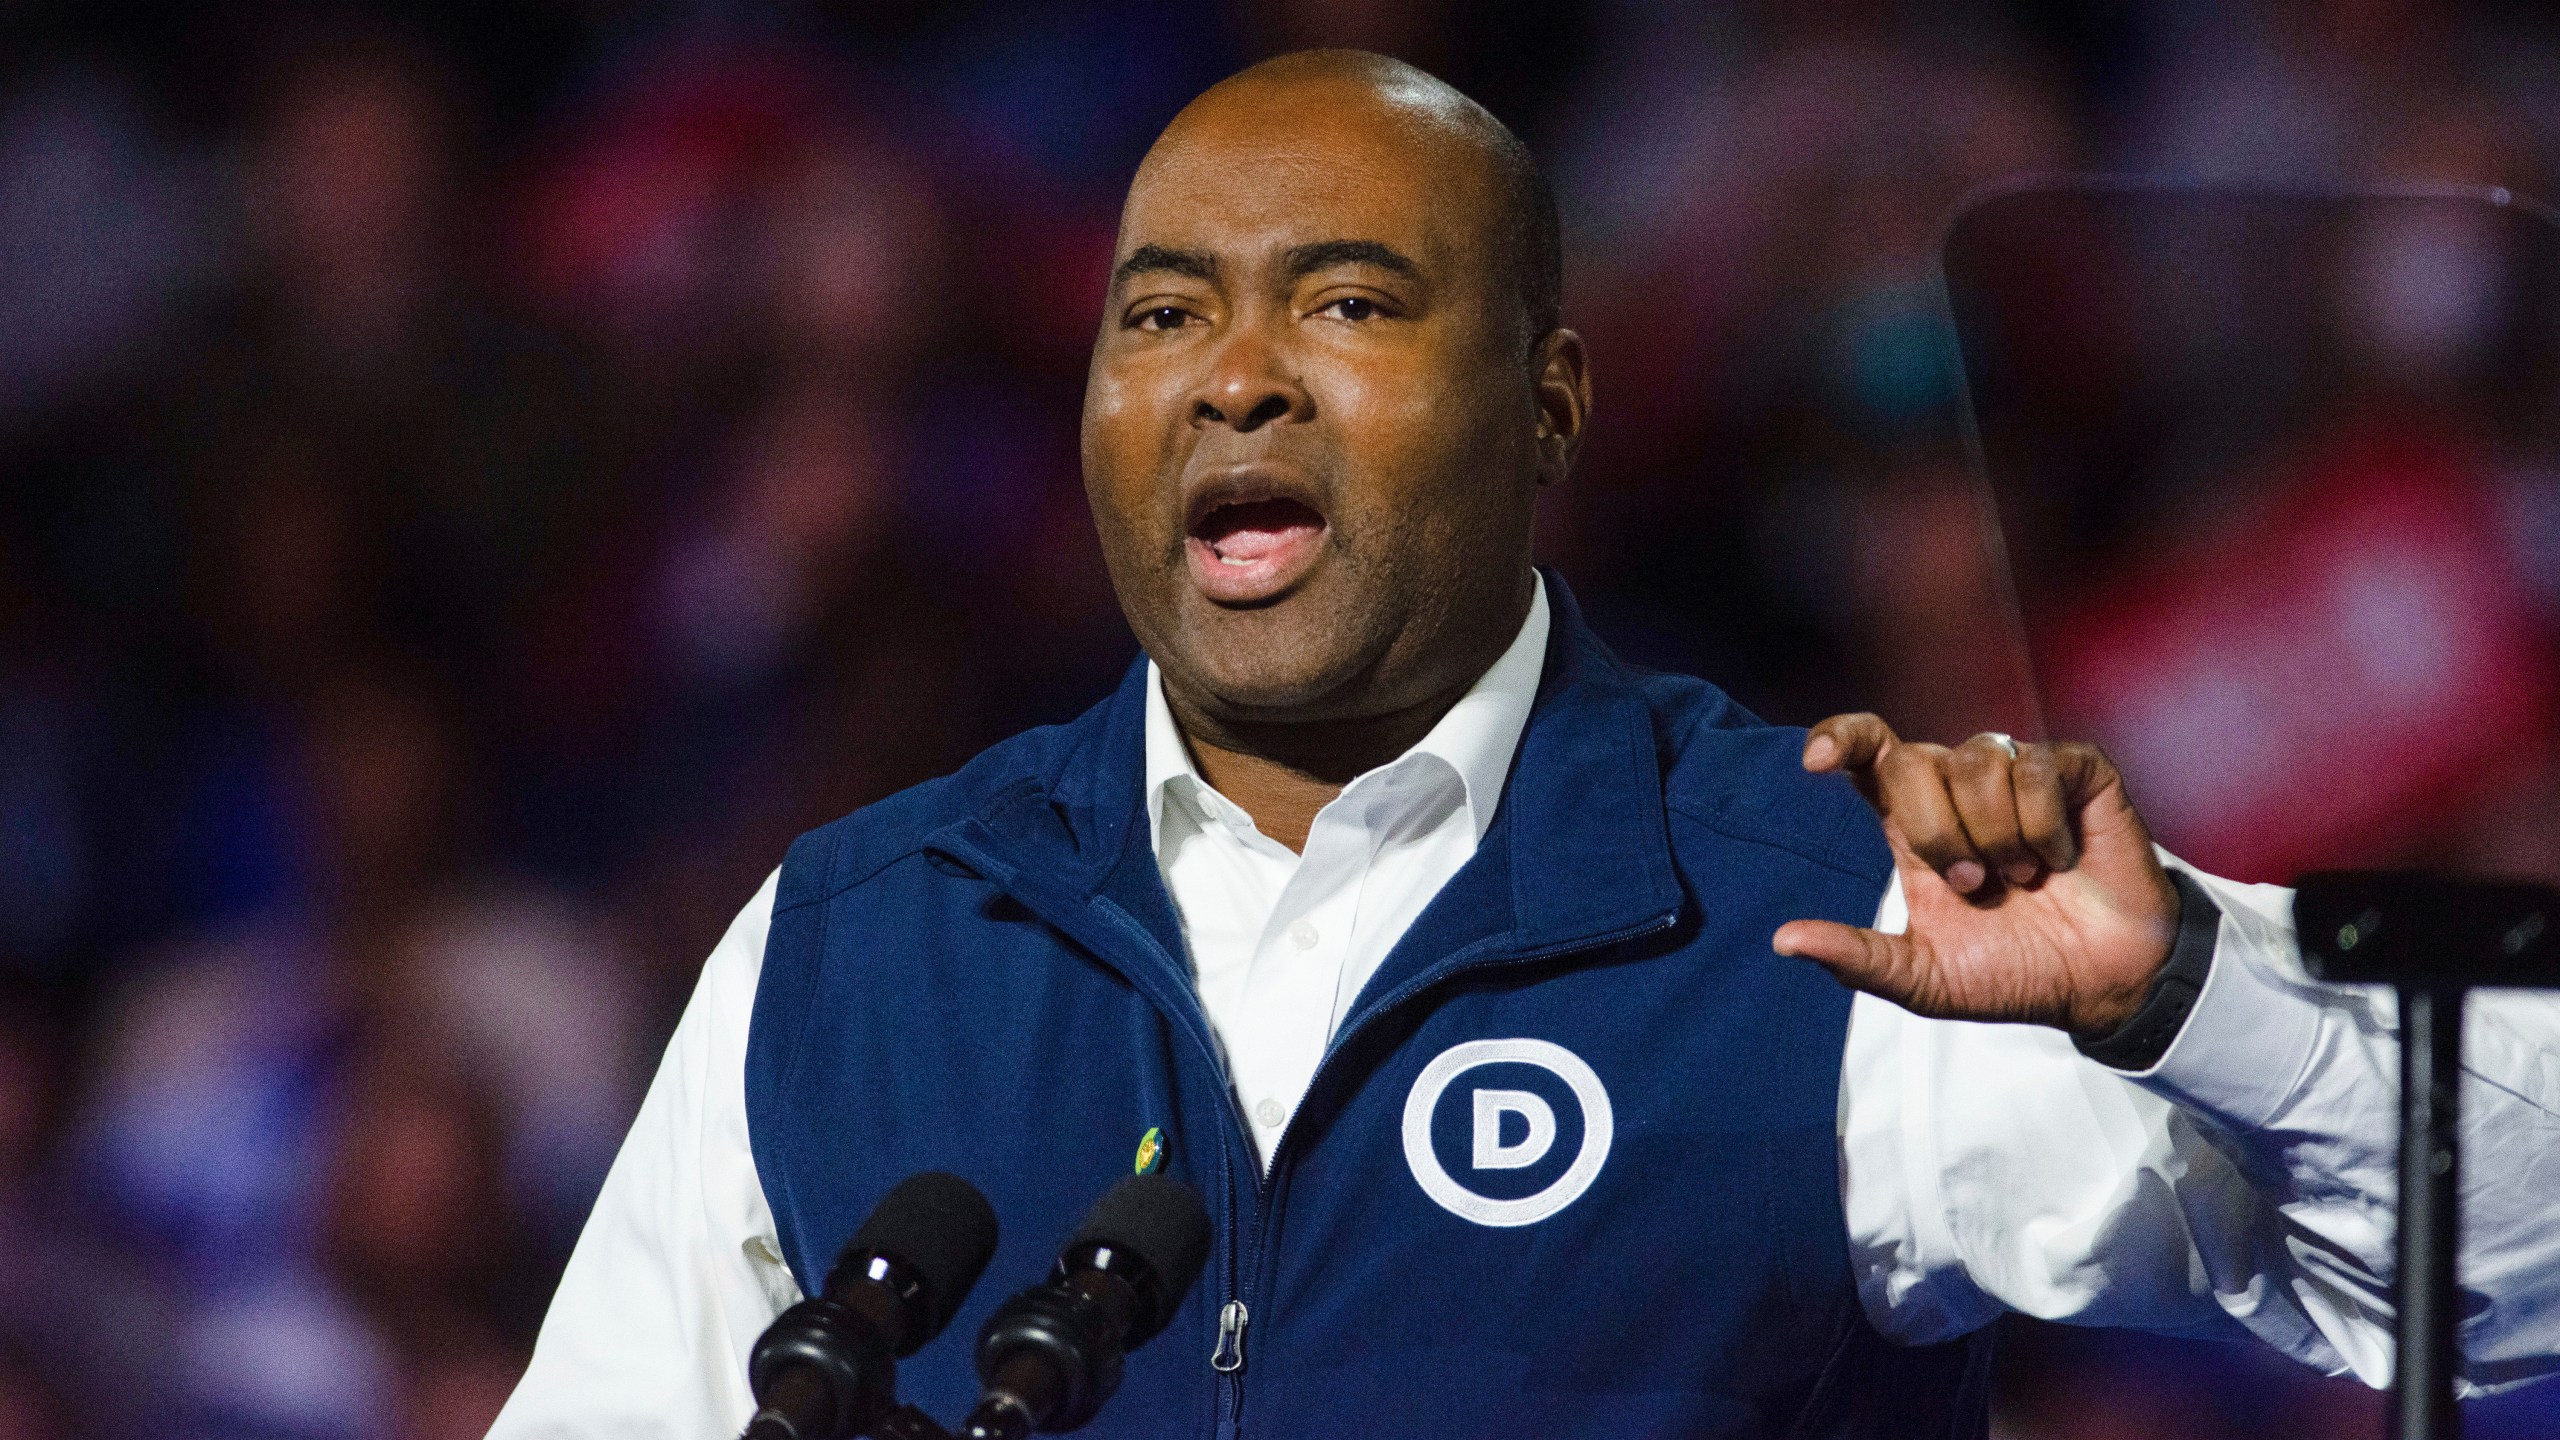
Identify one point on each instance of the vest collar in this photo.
(1590, 847)
(1588, 850)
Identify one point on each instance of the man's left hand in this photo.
(2033, 891)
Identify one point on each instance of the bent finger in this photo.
(1847, 742)
(2044, 808)
(2093, 790)
(1978, 779)
(1911, 791)
(2083, 771)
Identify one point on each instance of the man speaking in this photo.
(1464, 970)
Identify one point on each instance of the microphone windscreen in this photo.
(943, 1227)
(1162, 1221)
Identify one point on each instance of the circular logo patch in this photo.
(1491, 1111)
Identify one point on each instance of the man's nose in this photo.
(1251, 383)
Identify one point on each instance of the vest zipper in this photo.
(1230, 1373)
(1233, 1318)
(1228, 1358)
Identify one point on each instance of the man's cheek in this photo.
(1381, 426)
(1124, 408)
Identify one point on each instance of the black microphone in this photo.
(1051, 1355)
(826, 1368)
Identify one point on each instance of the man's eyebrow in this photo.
(1304, 260)
(1198, 264)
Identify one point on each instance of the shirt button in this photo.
(1268, 1114)
(1302, 933)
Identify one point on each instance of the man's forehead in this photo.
(1259, 216)
(1272, 171)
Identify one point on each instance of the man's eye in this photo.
(1161, 317)
(1353, 307)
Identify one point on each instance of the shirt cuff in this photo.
(2252, 1031)
(2146, 1035)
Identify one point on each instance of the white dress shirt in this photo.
(2243, 1185)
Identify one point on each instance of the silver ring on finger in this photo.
(2008, 744)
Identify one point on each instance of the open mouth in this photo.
(1250, 550)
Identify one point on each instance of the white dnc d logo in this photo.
(1490, 1110)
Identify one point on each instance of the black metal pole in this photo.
(2422, 1401)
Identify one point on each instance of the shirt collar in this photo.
(1476, 739)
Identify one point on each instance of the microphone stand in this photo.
(2422, 1403)
(2432, 939)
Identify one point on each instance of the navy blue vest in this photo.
(1570, 1166)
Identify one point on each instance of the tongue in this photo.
(1255, 544)
(1246, 533)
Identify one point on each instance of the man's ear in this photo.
(1560, 373)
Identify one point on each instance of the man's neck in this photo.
(1281, 773)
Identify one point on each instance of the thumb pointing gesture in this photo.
(2033, 890)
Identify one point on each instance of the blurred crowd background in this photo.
(477, 478)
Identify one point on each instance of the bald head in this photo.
(1522, 227)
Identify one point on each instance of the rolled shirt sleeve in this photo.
(678, 1270)
(2245, 1183)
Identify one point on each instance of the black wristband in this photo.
(2147, 1034)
